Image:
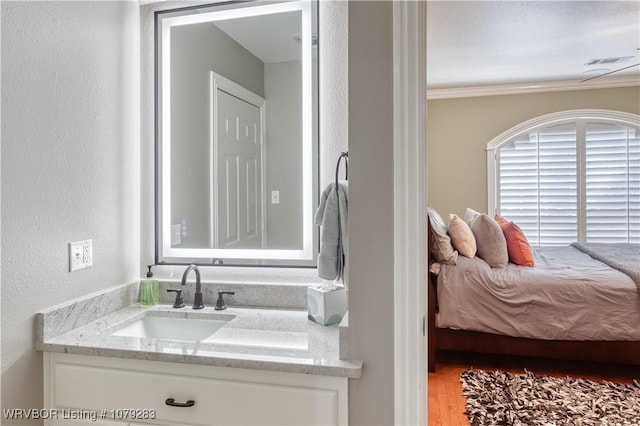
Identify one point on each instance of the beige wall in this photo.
(459, 129)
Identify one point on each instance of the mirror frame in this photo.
(165, 254)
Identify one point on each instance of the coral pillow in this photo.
(461, 236)
(490, 239)
(518, 246)
(501, 220)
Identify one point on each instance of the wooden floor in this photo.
(446, 403)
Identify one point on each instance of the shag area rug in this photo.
(526, 399)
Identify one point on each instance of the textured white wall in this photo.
(70, 165)
(334, 86)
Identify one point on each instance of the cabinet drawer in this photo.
(218, 400)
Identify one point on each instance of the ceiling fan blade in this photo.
(610, 72)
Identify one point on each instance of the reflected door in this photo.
(239, 174)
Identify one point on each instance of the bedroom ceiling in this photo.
(475, 43)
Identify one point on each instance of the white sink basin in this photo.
(172, 328)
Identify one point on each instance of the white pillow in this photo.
(441, 247)
(461, 236)
(470, 214)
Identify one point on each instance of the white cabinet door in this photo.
(209, 395)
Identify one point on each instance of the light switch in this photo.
(176, 235)
(275, 197)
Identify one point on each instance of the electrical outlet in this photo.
(176, 235)
(275, 197)
(80, 255)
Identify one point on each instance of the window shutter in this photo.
(518, 185)
(575, 179)
(634, 186)
(538, 185)
(612, 182)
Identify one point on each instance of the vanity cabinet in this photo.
(219, 395)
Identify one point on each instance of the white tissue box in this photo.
(326, 307)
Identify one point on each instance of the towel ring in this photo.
(341, 260)
(344, 155)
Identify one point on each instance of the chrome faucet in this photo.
(197, 298)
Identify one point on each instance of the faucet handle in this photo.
(179, 302)
(220, 302)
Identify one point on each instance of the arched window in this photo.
(569, 176)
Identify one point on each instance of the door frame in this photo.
(218, 82)
(410, 238)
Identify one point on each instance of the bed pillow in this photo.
(470, 214)
(461, 236)
(501, 220)
(518, 246)
(441, 248)
(490, 240)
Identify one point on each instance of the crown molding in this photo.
(521, 88)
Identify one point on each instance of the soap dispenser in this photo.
(149, 290)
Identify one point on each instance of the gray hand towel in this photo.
(332, 215)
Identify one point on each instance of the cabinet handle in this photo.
(172, 403)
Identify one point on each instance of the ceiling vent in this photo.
(604, 61)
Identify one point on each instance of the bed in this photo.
(569, 305)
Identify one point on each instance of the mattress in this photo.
(567, 295)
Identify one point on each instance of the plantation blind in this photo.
(538, 184)
(577, 181)
(612, 183)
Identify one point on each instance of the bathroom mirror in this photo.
(236, 134)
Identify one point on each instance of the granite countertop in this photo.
(264, 339)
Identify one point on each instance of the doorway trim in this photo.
(410, 257)
(218, 82)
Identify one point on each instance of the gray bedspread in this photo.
(624, 257)
(566, 295)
